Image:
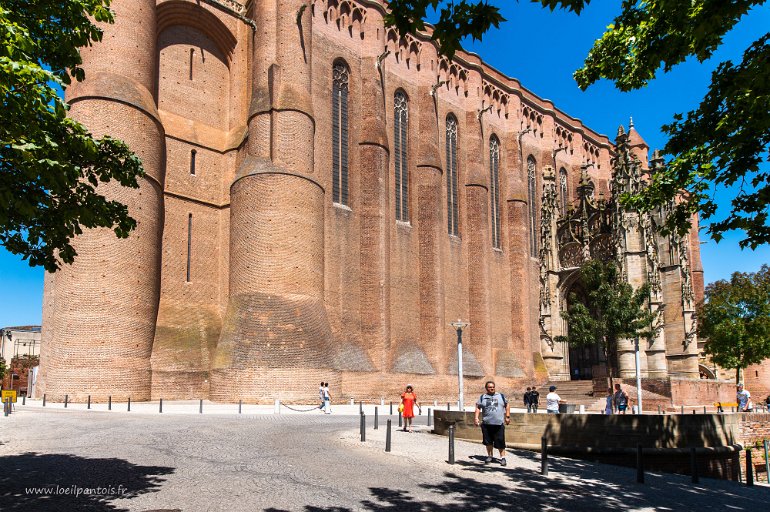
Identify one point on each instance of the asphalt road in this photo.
(99, 461)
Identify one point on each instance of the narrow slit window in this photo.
(532, 198)
(451, 176)
(494, 190)
(400, 132)
(564, 200)
(193, 155)
(340, 78)
(189, 244)
(192, 60)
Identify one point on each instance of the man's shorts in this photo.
(622, 408)
(493, 435)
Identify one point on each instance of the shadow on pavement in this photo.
(63, 482)
(572, 486)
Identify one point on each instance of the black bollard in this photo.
(399, 419)
(429, 416)
(363, 427)
(391, 408)
(693, 411)
(387, 436)
(360, 407)
(109, 403)
(23, 399)
(452, 443)
(129, 404)
(200, 406)
(66, 399)
(639, 465)
(694, 466)
(376, 418)
(43, 399)
(704, 409)
(448, 406)
(749, 469)
(682, 409)
(240, 406)
(160, 406)
(89, 402)
(543, 456)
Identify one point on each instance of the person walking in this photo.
(552, 401)
(767, 403)
(608, 407)
(327, 399)
(495, 415)
(743, 398)
(409, 400)
(321, 396)
(534, 399)
(620, 400)
(527, 403)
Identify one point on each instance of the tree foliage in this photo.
(735, 318)
(2, 368)
(723, 142)
(50, 165)
(610, 311)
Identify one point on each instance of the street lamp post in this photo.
(459, 325)
(638, 377)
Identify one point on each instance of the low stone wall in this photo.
(694, 392)
(753, 429)
(598, 431)
(667, 438)
(671, 393)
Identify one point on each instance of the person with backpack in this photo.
(621, 400)
(534, 399)
(495, 415)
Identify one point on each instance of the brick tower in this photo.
(100, 312)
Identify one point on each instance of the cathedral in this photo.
(323, 198)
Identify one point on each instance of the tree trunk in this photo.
(737, 375)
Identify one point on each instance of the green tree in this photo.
(723, 142)
(50, 165)
(610, 311)
(735, 317)
(2, 369)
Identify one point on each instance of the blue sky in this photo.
(541, 49)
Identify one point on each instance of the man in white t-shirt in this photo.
(744, 399)
(552, 401)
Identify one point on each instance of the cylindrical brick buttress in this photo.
(276, 338)
(100, 312)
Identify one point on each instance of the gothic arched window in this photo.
(494, 190)
(451, 176)
(532, 198)
(340, 77)
(563, 199)
(400, 133)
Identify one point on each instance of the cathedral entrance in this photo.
(584, 360)
(589, 361)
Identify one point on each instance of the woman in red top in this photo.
(409, 400)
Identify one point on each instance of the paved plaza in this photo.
(182, 460)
